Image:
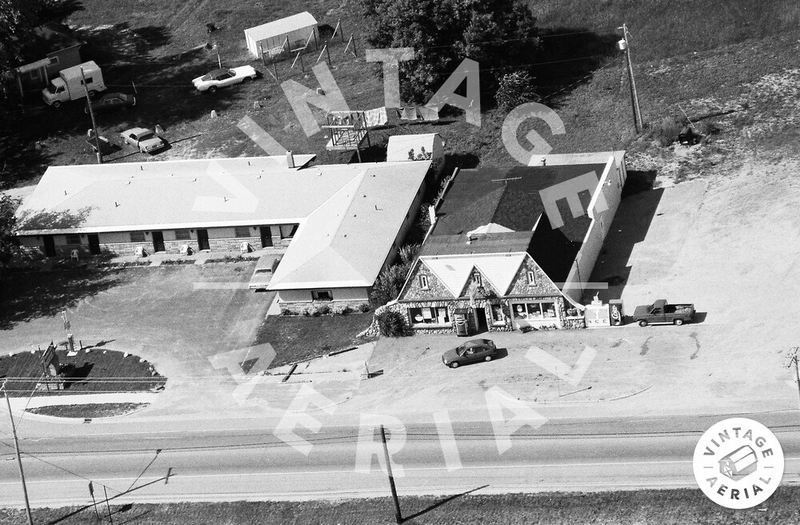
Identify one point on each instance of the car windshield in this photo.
(146, 135)
(51, 88)
(263, 270)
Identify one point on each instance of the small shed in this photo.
(272, 36)
(428, 146)
(59, 49)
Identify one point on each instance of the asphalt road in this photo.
(571, 455)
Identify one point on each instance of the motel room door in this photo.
(158, 241)
(266, 237)
(202, 240)
(94, 243)
(49, 246)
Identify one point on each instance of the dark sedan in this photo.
(112, 101)
(470, 352)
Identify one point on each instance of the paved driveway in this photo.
(174, 316)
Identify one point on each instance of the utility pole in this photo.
(94, 501)
(624, 46)
(108, 507)
(397, 516)
(91, 114)
(19, 459)
(793, 360)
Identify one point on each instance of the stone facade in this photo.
(481, 299)
(119, 243)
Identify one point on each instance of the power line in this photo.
(64, 469)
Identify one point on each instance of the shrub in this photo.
(363, 308)
(341, 309)
(323, 309)
(392, 324)
(706, 128)
(668, 131)
(515, 88)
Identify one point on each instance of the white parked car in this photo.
(224, 77)
(144, 139)
(265, 267)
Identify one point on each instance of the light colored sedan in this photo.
(265, 267)
(220, 78)
(144, 139)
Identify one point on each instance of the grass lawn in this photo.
(88, 410)
(683, 52)
(94, 369)
(679, 507)
(297, 338)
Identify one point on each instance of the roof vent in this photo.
(289, 159)
(544, 161)
(116, 204)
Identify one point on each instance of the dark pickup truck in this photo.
(662, 312)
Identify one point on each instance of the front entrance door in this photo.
(158, 242)
(49, 246)
(202, 240)
(94, 244)
(480, 320)
(266, 237)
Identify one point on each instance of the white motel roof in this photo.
(349, 214)
(177, 194)
(281, 26)
(398, 146)
(346, 240)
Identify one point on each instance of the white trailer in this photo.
(68, 85)
(272, 37)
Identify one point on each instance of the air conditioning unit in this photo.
(139, 251)
(244, 247)
(186, 249)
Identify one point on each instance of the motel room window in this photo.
(182, 235)
(429, 315)
(531, 278)
(53, 61)
(137, 236)
(498, 317)
(321, 295)
(242, 231)
(423, 282)
(288, 230)
(73, 238)
(534, 311)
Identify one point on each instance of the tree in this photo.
(514, 89)
(390, 281)
(19, 19)
(8, 245)
(496, 33)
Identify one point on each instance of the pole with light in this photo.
(792, 358)
(91, 114)
(19, 458)
(623, 45)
